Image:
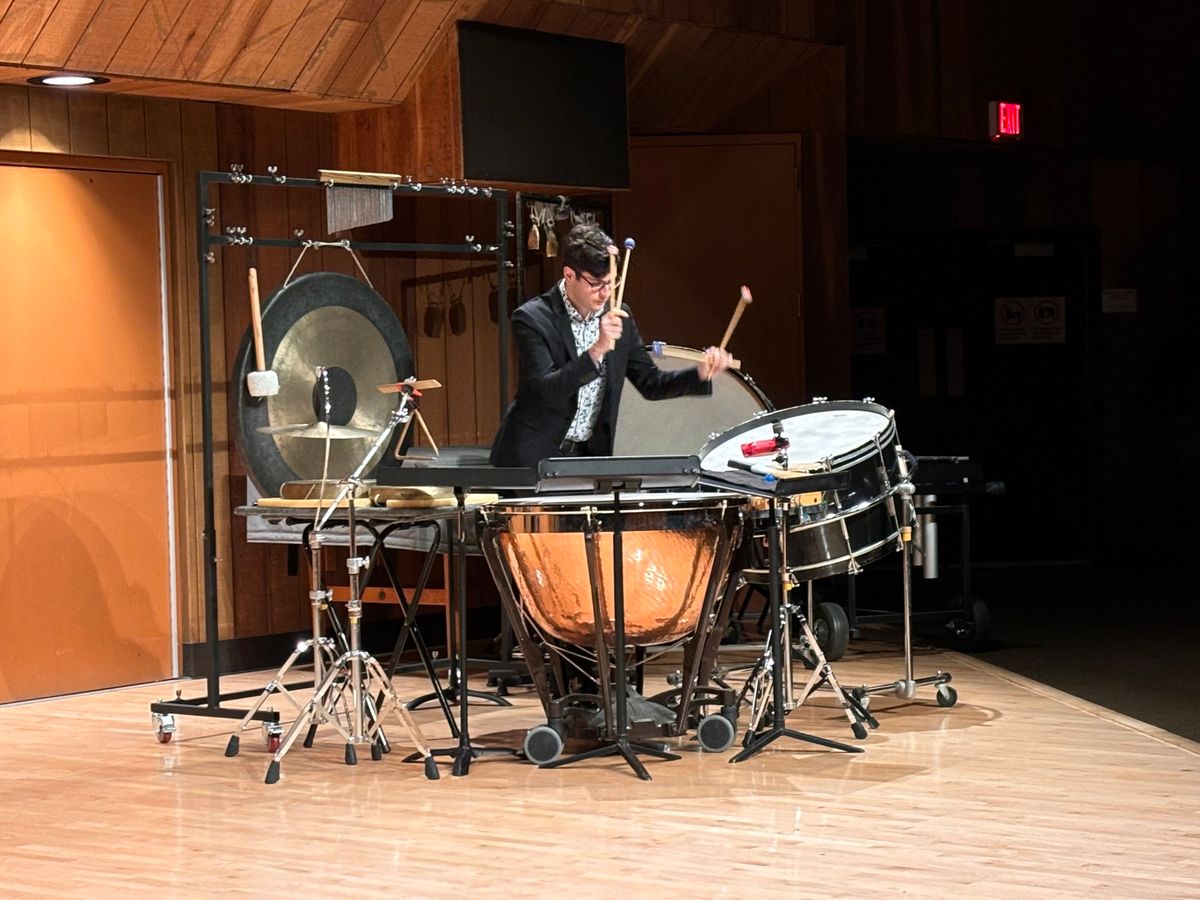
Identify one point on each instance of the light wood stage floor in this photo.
(1018, 791)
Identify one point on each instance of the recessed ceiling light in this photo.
(65, 80)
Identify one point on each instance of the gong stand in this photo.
(208, 242)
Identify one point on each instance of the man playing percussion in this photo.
(573, 357)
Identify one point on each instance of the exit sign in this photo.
(1004, 121)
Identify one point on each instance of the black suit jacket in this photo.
(551, 373)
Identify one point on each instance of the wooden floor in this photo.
(1018, 791)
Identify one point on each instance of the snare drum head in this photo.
(839, 433)
(682, 425)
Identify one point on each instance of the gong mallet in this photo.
(629, 245)
(743, 301)
(262, 382)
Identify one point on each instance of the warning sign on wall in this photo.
(1031, 320)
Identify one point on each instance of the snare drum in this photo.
(682, 425)
(829, 532)
(672, 544)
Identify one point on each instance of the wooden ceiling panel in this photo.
(61, 32)
(330, 56)
(233, 32)
(146, 36)
(21, 25)
(264, 42)
(416, 42)
(301, 42)
(177, 56)
(103, 35)
(685, 72)
(373, 49)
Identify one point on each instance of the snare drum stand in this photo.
(906, 688)
(617, 742)
(778, 661)
(355, 667)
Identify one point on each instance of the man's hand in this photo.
(715, 362)
(610, 332)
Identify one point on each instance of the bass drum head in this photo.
(682, 425)
(337, 322)
(838, 433)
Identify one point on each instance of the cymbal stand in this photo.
(356, 668)
(777, 661)
(906, 688)
(324, 649)
(324, 657)
(617, 741)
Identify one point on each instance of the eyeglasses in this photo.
(596, 287)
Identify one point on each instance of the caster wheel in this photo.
(431, 769)
(976, 632)
(164, 727)
(860, 730)
(542, 745)
(273, 742)
(946, 695)
(715, 733)
(832, 630)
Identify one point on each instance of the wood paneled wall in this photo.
(47, 121)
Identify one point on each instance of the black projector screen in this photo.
(542, 108)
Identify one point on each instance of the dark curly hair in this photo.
(587, 250)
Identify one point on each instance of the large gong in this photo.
(323, 321)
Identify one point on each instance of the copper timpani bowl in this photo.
(670, 543)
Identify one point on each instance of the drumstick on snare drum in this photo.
(743, 301)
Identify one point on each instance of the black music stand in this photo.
(614, 475)
(775, 490)
(461, 479)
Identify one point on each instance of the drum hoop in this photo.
(697, 502)
(838, 462)
(691, 355)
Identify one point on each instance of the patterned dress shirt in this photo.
(591, 395)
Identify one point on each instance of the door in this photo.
(86, 549)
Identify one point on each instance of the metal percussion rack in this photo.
(207, 244)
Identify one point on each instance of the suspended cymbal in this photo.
(319, 430)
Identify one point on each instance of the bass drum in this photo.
(682, 425)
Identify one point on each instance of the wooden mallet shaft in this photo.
(629, 245)
(260, 362)
(743, 301)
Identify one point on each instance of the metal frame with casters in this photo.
(163, 712)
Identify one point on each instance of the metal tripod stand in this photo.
(776, 664)
(906, 688)
(324, 652)
(356, 672)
